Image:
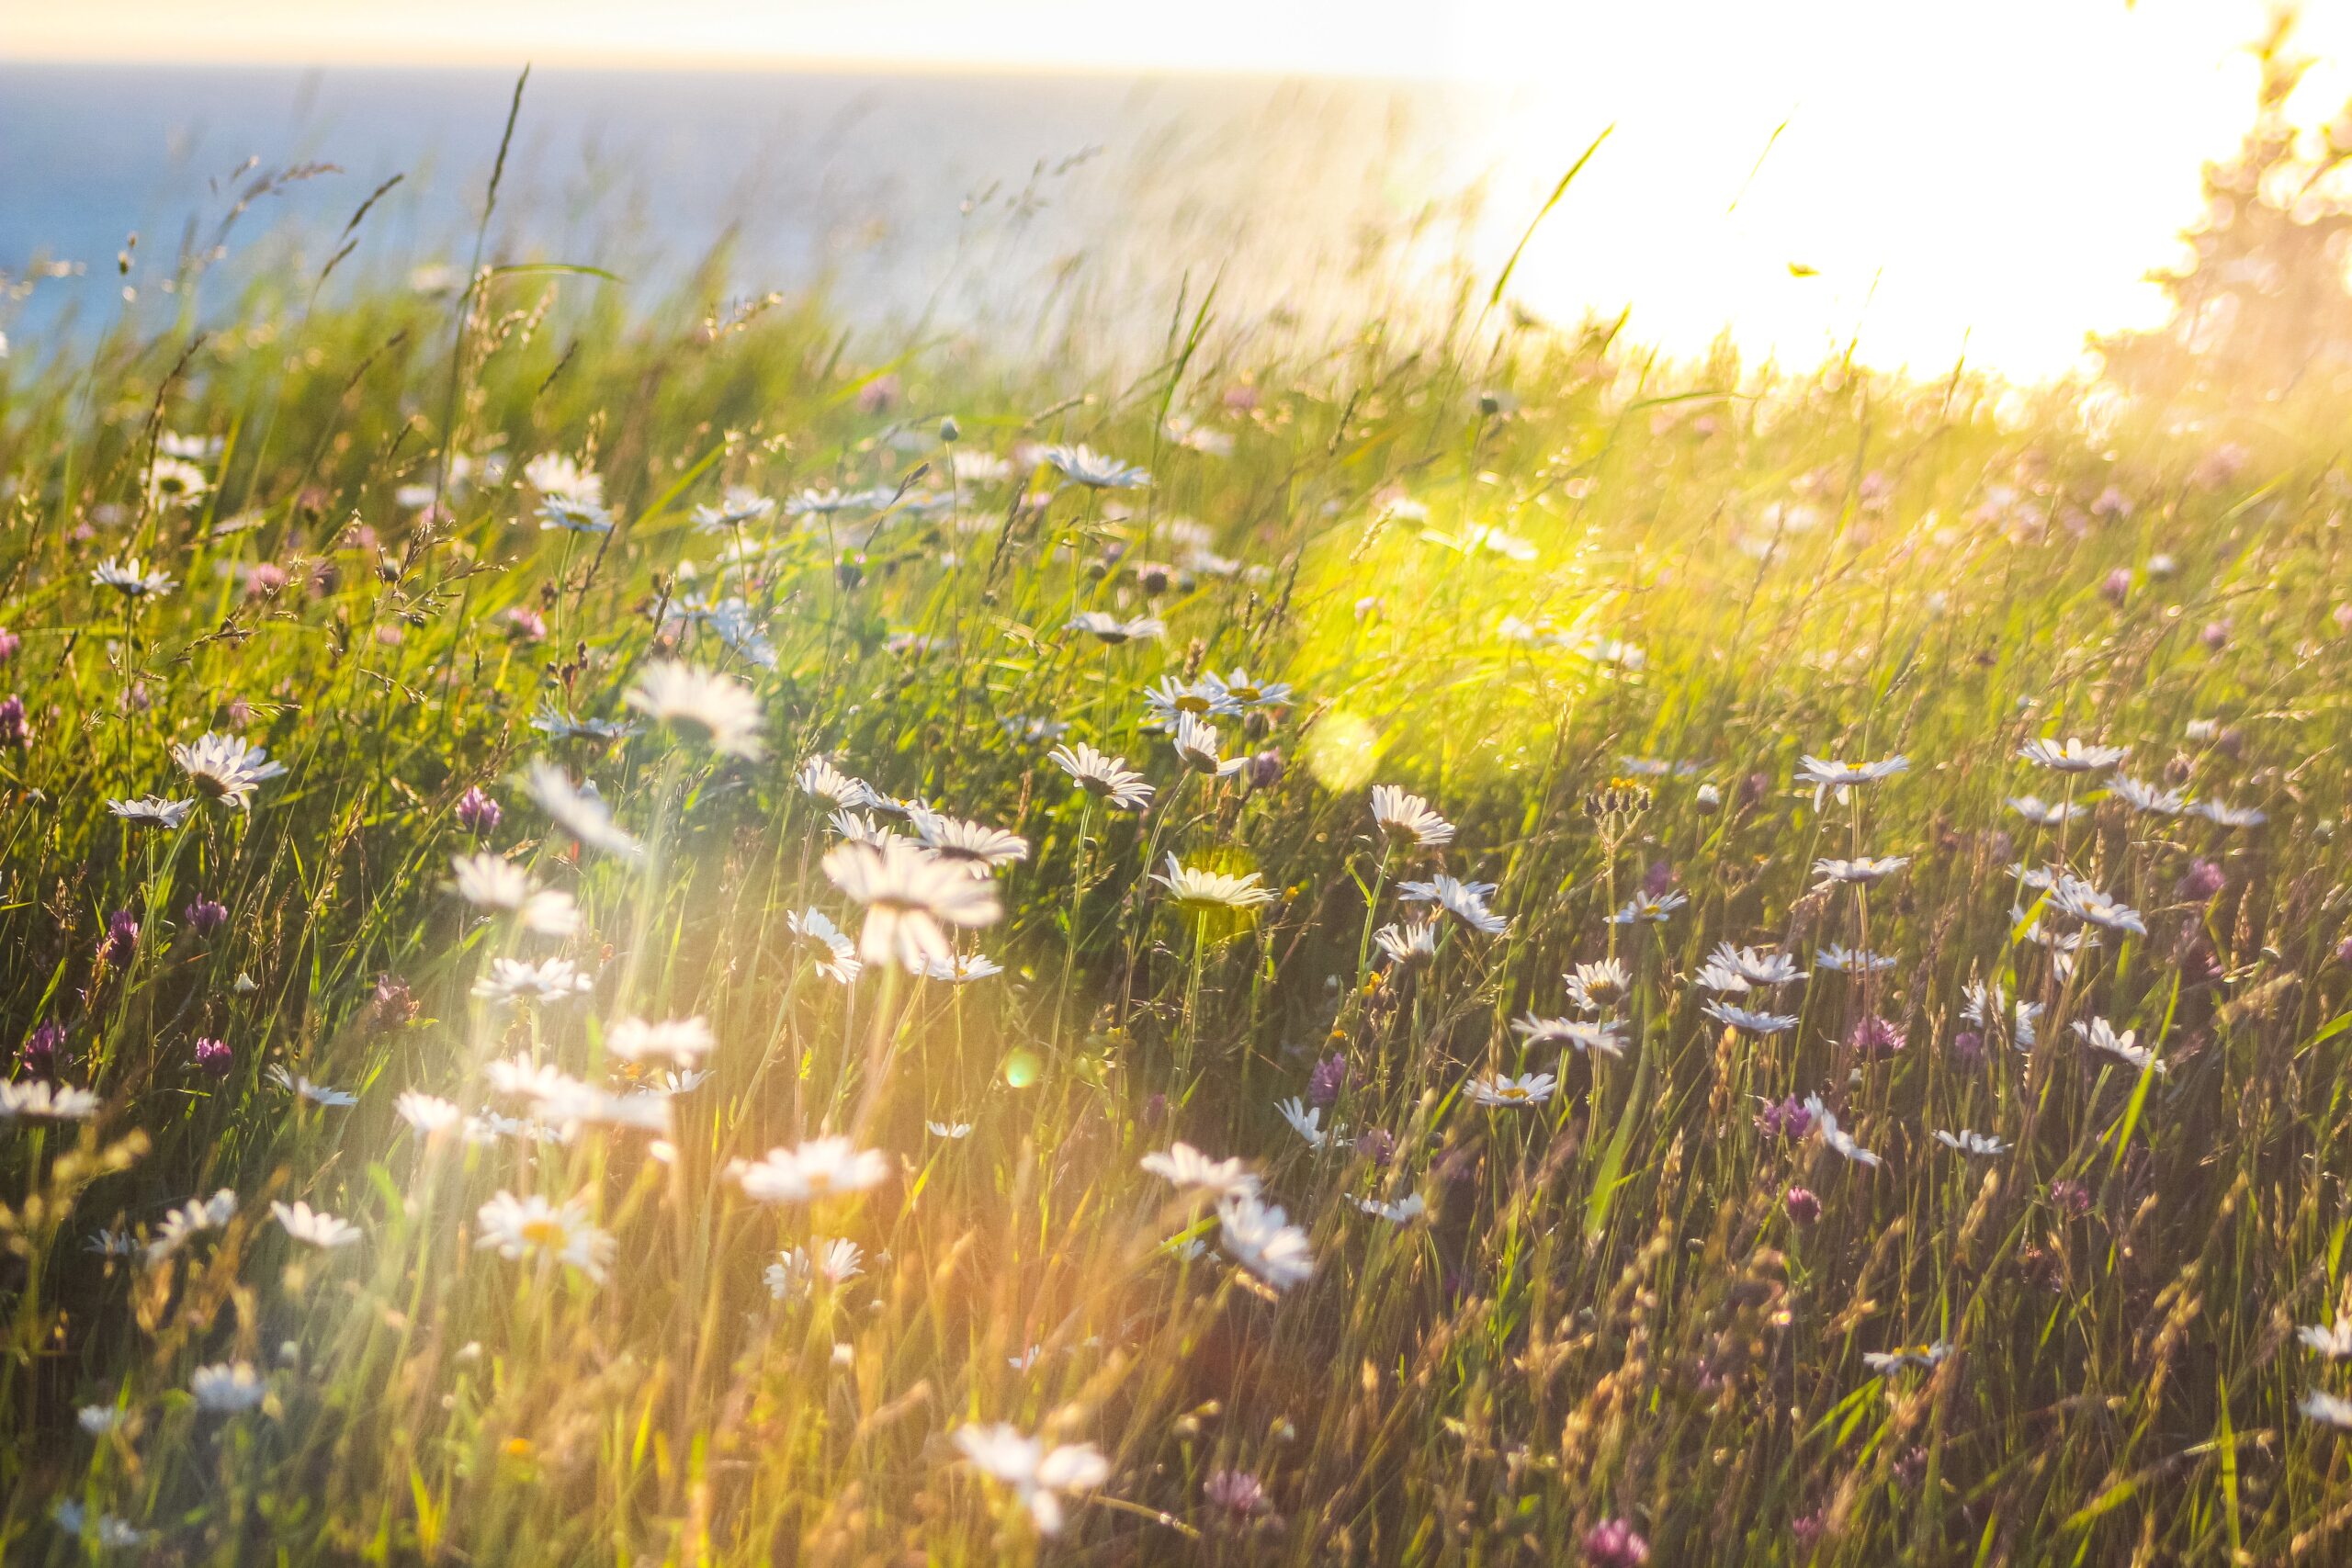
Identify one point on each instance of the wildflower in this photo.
(2223, 815)
(2101, 1036)
(831, 1263)
(520, 1227)
(130, 578)
(911, 896)
(2150, 798)
(1644, 908)
(2048, 814)
(15, 728)
(836, 955)
(1240, 688)
(1592, 987)
(1408, 944)
(952, 1131)
(558, 725)
(1186, 1167)
(1969, 1143)
(112, 1532)
(226, 768)
(1406, 819)
(317, 1094)
(1196, 748)
(1171, 699)
(1107, 777)
(1864, 872)
(1094, 471)
(1110, 629)
(684, 1041)
(1467, 901)
(1834, 1135)
(2074, 757)
(121, 938)
(721, 707)
(38, 1099)
(579, 812)
(980, 849)
(99, 1419)
(152, 811)
(737, 508)
(1403, 1210)
(1887, 1363)
(1825, 774)
(1614, 1543)
(2336, 1343)
(960, 970)
(476, 813)
(1600, 1036)
(1742, 968)
(513, 980)
(1505, 1092)
(820, 780)
(2083, 902)
(1307, 1122)
(1238, 1491)
(490, 881)
(2327, 1409)
(823, 1168)
(213, 1056)
(1750, 1022)
(1200, 892)
(1803, 1206)
(191, 1219)
(1261, 1238)
(226, 1388)
(553, 474)
(1038, 1475)
(1874, 1039)
(316, 1226)
(427, 1113)
(1840, 960)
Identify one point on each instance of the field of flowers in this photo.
(643, 942)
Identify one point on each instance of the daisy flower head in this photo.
(1577, 1033)
(2326, 1409)
(580, 812)
(130, 577)
(1505, 1092)
(1038, 1475)
(834, 955)
(2334, 1343)
(859, 828)
(2103, 1037)
(1750, 1022)
(489, 881)
(1245, 690)
(823, 1167)
(2071, 756)
(1406, 944)
(114, 1532)
(318, 1228)
(722, 709)
(1110, 628)
(550, 980)
(427, 1113)
(1825, 775)
(1465, 901)
(226, 768)
(1185, 1167)
(1761, 971)
(1403, 1210)
(553, 474)
(979, 850)
(1868, 871)
(737, 508)
(38, 1100)
(524, 1227)
(821, 779)
(1648, 909)
(2223, 815)
(1406, 820)
(1841, 959)
(1260, 1238)
(1969, 1143)
(2046, 814)
(1106, 778)
(573, 514)
(2079, 899)
(152, 811)
(1592, 987)
(1083, 465)
(1196, 747)
(962, 969)
(2153, 799)
(1826, 1127)
(302, 1088)
(1307, 1122)
(187, 1221)
(1171, 699)
(911, 896)
(1887, 1363)
(1198, 891)
(557, 724)
(953, 1132)
(227, 1388)
(830, 1263)
(683, 1042)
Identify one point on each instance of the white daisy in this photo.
(720, 707)
(794, 1272)
(1840, 960)
(2223, 815)
(130, 577)
(1403, 1210)
(152, 811)
(1503, 1091)
(1406, 819)
(2083, 902)
(1751, 967)
(550, 980)
(2327, 1409)
(579, 812)
(521, 1227)
(1094, 471)
(1866, 871)
(1260, 1238)
(316, 1094)
(2150, 798)
(910, 898)
(2102, 1036)
(1592, 987)
(489, 881)
(1969, 1142)
(1467, 901)
(226, 768)
(819, 777)
(38, 1100)
(1307, 1122)
(427, 1113)
(952, 1131)
(1038, 1475)
(1112, 629)
(227, 1388)
(1887, 1363)
(1825, 775)
(316, 1226)
(823, 1167)
(836, 956)
(1750, 1023)
(1197, 891)
(553, 474)
(1171, 699)
(1186, 1167)
(2073, 757)
(1409, 944)
(684, 1041)
(962, 969)
(114, 1533)
(1642, 907)
(190, 1220)
(2046, 814)
(980, 849)
(1196, 748)
(1107, 777)
(1826, 1127)
(1603, 1035)
(2336, 1343)
(558, 725)
(1245, 690)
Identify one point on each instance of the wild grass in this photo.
(1518, 570)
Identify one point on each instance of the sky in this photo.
(1921, 179)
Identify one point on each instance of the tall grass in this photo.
(1512, 568)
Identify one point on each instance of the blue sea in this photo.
(986, 205)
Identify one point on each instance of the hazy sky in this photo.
(2002, 171)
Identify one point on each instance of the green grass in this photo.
(1607, 1311)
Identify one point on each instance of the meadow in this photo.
(639, 936)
